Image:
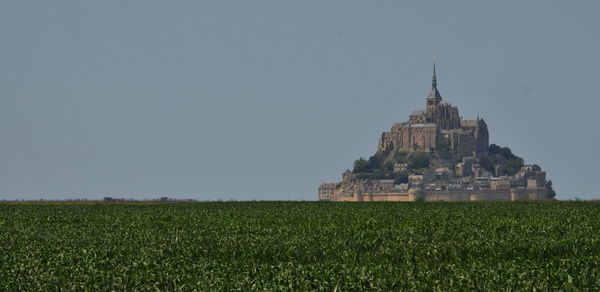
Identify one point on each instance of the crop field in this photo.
(300, 246)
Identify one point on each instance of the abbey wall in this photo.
(444, 196)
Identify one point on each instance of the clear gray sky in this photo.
(267, 99)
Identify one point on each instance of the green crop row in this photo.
(300, 246)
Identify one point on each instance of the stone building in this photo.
(326, 191)
(438, 126)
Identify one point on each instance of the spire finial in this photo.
(434, 79)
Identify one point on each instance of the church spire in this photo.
(434, 79)
(434, 93)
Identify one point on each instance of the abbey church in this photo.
(439, 124)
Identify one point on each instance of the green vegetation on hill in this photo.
(503, 158)
(401, 177)
(551, 192)
(378, 167)
(301, 246)
(487, 163)
(498, 161)
(418, 160)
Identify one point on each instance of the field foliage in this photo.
(300, 246)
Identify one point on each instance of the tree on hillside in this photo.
(507, 153)
(388, 167)
(551, 192)
(400, 156)
(417, 160)
(511, 166)
(360, 165)
(371, 165)
(376, 162)
(487, 163)
(494, 149)
(401, 178)
(508, 163)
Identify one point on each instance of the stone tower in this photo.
(433, 98)
(440, 112)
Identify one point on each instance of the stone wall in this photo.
(407, 137)
(410, 137)
(448, 196)
(419, 137)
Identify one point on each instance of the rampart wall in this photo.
(449, 196)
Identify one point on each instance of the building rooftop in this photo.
(420, 126)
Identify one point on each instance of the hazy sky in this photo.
(267, 99)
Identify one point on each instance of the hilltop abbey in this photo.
(438, 155)
(439, 123)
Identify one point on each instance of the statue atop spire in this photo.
(434, 79)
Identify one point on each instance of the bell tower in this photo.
(433, 98)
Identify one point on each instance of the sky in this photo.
(265, 100)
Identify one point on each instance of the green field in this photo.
(300, 246)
